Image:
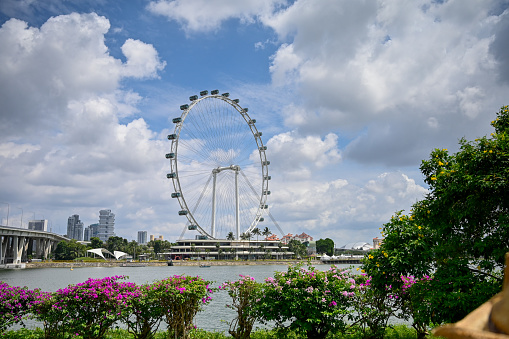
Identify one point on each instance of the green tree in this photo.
(69, 250)
(95, 242)
(115, 243)
(257, 232)
(298, 248)
(457, 235)
(266, 232)
(325, 246)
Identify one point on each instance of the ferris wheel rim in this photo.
(263, 163)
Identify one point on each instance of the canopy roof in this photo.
(100, 252)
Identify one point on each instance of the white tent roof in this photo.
(100, 251)
(119, 254)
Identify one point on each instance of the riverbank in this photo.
(76, 264)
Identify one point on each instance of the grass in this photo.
(397, 332)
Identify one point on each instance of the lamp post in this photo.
(21, 216)
(7, 212)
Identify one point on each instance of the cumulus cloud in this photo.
(203, 15)
(62, 140)
(337, 206)
(298, 155)
(44, 69)
(391, 65)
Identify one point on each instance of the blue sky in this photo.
(350, 96)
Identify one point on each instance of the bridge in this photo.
(16, 243)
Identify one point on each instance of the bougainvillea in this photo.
(182, 297)
(87, 309)
(309, 300)
(243, 293)
(15, 303)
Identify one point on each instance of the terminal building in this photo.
(217, 249)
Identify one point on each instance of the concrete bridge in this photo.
(16, 243)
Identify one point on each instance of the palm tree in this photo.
(218, 248)
(230, 237)
(266, 232)
(257, 232)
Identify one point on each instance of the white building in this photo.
(38, 225)
(142, 237)
(214, 249)
(106, 227)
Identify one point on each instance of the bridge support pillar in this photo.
(3, 249)
(18, 247)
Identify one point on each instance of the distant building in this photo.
(38, 225)
(106, 226)
(86, 234)
(91, 231)
(272, 237)
(377, 242)
(142, 237)
(75, 228)
(299, 237)
(152, 237)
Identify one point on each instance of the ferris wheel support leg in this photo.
(237, 208)
(213, 222)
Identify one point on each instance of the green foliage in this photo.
(325, 246)
(299, 249)
(312, 301)
(115, 243)
(88, 309)
(144, 313)
(457, 235)
(15, 304)
(69, 250)
(182, 297)
(243, 293)
(95, 242)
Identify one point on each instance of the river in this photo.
(212, 318)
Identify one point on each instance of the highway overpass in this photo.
(16, 243)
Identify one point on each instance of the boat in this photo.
(203, 265)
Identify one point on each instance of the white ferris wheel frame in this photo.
(173, 157)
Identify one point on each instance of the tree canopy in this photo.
(325, 246)
(458, 234)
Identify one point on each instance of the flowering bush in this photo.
(313, 301)
(144, 313)
(182, 297)
(15, 303)
(243, 294)
(373, 308)
(87, 309)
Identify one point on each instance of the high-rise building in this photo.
(142, 237)
(86, 234)
(75, 228)
(106, 225)
(38, 225)
(91, 231)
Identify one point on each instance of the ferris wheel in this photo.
(219, 167)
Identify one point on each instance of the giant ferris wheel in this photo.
(219, 167)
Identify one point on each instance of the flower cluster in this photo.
(15, 303)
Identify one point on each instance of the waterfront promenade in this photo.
(73, 264)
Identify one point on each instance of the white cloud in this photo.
(44, 70)
(397, 64)
(203, 15)
(297, 155)
(61, 129)
(328, 207)
(142, 59)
